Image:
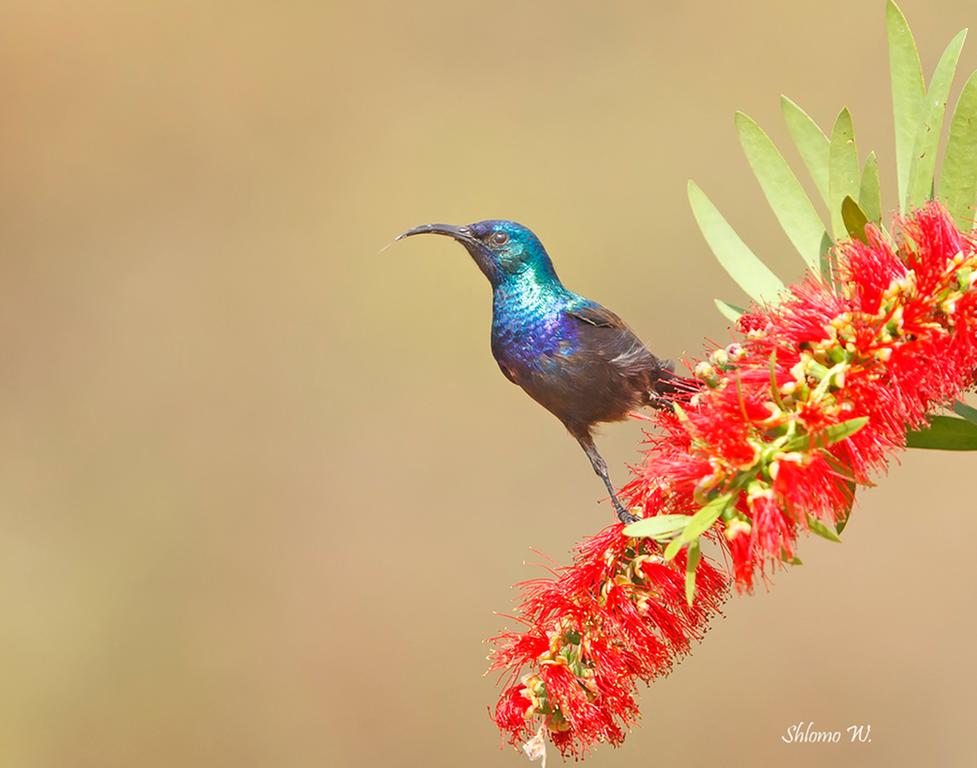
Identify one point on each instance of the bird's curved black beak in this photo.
(462, 234)
(481, 255)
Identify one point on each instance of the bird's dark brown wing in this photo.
(612, 340)
(595, 314)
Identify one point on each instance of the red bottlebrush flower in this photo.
(816, 395)
(617, 616)
(514, 706)
(739, 543)
(772, 532)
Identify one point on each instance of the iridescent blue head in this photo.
(503, 250)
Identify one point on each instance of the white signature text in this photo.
(806, 733)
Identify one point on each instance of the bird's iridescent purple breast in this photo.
(530, 327)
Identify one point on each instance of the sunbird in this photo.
(574, 357)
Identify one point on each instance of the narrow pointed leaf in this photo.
(840, 469)
(919, 187)
(855, 219)
(816, 526)
(841, 431)
(958, 178)
(945, 433)
(784, 193)
(751, 274)
(827, 436)
(811, 143)
(870, 190)
(698, 524)
(659, 527)
(673, 548)
(843, 520)
(695, 554)
(964, 410)
(843, 170)
(703, 519)
(908, 90)
(730, 311)
(827, 270)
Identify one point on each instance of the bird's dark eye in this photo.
(499, 238)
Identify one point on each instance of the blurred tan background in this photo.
(261, 488)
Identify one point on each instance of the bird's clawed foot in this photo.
(600, 467)
(623, 515)
(659, 402)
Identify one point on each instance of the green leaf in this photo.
(840, 469)
(827, 436)
(908, 90)
(784, 193)
(658, 527)
(958, 179)
(945, 433)
(855, 219)
(703, 519)
(816, 526)
(774, 387)
(749, 273)
(962, 409)
(841, 431)
(843, 521)
(919, 187)
(843, 170)
(698, 524)
(691, 563)
(730, 311)
(870, 190)
(672, 549)
(827, 268)
(811, 143)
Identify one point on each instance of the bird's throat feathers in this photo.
(534, 289)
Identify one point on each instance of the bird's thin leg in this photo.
(600, 467)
